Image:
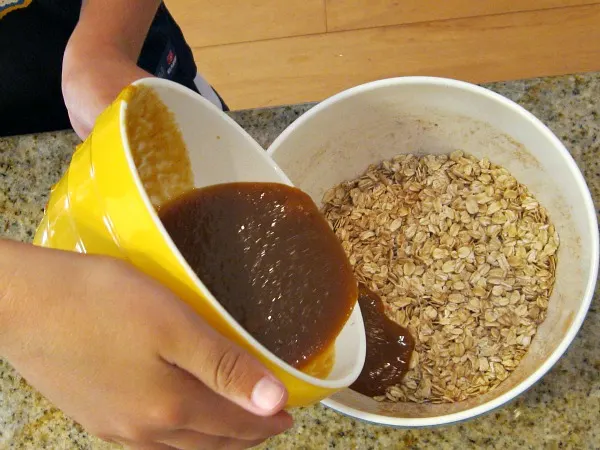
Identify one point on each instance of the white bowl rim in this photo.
(340, 383)
(590, 215)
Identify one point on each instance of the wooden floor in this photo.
(273, 52)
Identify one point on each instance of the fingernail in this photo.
(267, 394)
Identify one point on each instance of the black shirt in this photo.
(34, 34)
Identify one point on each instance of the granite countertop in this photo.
(561, 411)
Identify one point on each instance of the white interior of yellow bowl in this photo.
(339, 138)
(220, 151)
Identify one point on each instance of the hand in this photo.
(124, 357)
(90, 85)
(101, 56)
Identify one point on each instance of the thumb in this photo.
(227, 369)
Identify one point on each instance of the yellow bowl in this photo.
(101, 207)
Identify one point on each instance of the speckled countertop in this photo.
(562, 411)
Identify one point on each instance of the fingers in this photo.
(226, 368)
(223, 418)
(192, 440)
(207, 412)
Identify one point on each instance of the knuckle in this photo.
(167, 416)
(228, 369)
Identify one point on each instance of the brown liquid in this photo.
(269, 257)
(389, 347)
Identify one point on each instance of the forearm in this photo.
(101, 57)
(13, 257)
(115, 28)
(34, 283)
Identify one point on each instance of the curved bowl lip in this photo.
(340, 383)
(570, 164)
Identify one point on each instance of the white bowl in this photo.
(339, 138)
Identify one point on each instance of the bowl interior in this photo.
(338, 139)
(220, 151)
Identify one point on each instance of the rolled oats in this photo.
(462, 255)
